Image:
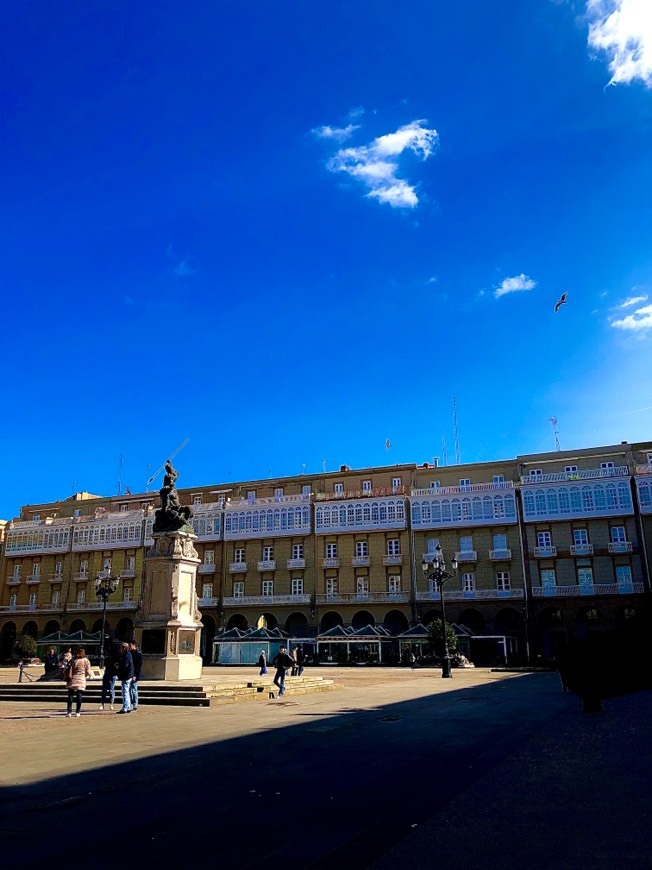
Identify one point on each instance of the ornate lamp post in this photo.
(105, 585)
(435, 569)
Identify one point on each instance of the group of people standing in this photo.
(123, 662)
(284, 662)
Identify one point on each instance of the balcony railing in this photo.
(620, 546)
(393, 560)
(467, 556)
(581, 550)
(295, 564)
(13, 581)
(360, 561)
(589, 589)
(267, 565)
(330, 563)
(377, 492)
(82, 576)
(97, 605)
(55, 578)
(11, 608)
(644, 469)
(33, 578)
(545, 552)
(583, 474)
(206, 568)
(503, 554)
(356, 597)
(128, 574)
(237, 567)
(459, 490)
(477, 594)
(256, 600)
(209, 602)
(267, 501)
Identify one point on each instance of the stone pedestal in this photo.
(168, 622)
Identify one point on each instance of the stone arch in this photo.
(430, 616)
(472, 619)
(330, 620)
(551, 617)
(297, 624)
(238, 620)
(508, 621)
(51, 627)
(7, 639)
(624, 614)
(207, 634)
(124, 630)
(31, 628)
(267, 620)
(97, 626)
(588, 619)
(77, 625)
(396, 621)
(362, 618)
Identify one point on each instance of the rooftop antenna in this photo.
(457, 440)
(171, 456)
(323, 465)
(553, 421)
(120, 477)
(443, 449)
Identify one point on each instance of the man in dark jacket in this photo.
(137, 658)
(282, 662)
(125, 673)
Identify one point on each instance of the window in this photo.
(83, 566)
(366, 486)
(361, 549)
(393, 547)
(435, 484)
(362, 586)
(127, 593)
(500, 542)
(207, 590)
(396, 483)
(297, 586)
(268, 554)
(535, 472)
(468, 582)
(394, 583)
(548, 578)
(331, 551)
(306, 489)
(605, 466)
(338, 488)
(570, 469)
(466, 544)
(81, 595)
(36, 569)
(17, 572)
(209, 557)
(331, 586)
(58, 568)
(124, 508)
(196, 499)
(32, 599)
(431, 545)
(268, 587)
(465, 481)
(580, 537)
(251, 495)
(106, 564)
(278, 492)
(130, 564)
(618, 535)
(36, 516)
(55, 597)
(498, 478)
(544, 539)
(12, 599)
(623, 575)
(239, 555)
(585, 576)
(502, 581)
(238, 589)
(297, 551)
(76, 512)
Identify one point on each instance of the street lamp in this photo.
(435, 569)
(105, 585)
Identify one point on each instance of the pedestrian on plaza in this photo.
(51, 661)
(413, 661)
(125, 673)
(295, 666)
(301, 660)
(137, 658)
(262, 662)
(76, 674)
(282, 662)
(110, 675)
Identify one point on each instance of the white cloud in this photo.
(183, 269)
(514, 285)
(639, 321)
(633, 300)
(623, 30)
(376, 164)
(338, 134)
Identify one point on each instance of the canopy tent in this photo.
(238, 647)
(362, 644)
(77, 638)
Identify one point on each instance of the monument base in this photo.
(174, 668)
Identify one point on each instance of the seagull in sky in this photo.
(561, 301)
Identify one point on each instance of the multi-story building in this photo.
(547, 546)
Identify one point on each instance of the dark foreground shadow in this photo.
(336, 791)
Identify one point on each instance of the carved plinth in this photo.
(168, 622)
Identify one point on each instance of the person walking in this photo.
(295, 666)
(282, 662)
(137, 658)
(76, 674)
(110, 675)
(262, 662)
(125, 673)
(301, 660)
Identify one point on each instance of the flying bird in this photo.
(388, 444)
(561, 301)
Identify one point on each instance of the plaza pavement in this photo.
(396, 768)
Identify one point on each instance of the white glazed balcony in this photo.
(206, 568)
(581, 550)
(360, 561)
(620, 546)
(545, 552)
(393, 560)
(267, 565)
(295, 564)
(238, 567)
(582, 474)
(330, 563)
(467, 556)
(589, 589)
(503, 554)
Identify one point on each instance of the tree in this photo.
(25, 646)
(436, 640)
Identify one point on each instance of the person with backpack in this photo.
(126, 674)
(282, 662)
(77, 671)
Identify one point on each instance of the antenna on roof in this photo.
(171, 456)
(443, 449)
(120, 477)
(457, 440)
(323, 465)
(553, 421)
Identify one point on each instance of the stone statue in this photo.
(172, 516)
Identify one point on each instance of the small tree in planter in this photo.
(25, 647)
(436, 639)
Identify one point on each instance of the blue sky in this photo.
(293, 231)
